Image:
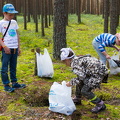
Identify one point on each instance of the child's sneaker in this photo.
(9, 89)
(18, 86)
(99, 107)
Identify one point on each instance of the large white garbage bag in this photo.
(60, 99)
(44, 64)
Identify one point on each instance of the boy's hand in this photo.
(108, 57)
(7, 50)
(19, 51)
(68, 84)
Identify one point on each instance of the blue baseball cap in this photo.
(9, 8)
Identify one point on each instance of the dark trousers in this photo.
(9, 61)
(84, 90)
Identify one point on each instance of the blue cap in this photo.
(9, 8)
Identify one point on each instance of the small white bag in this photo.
(113, 68)
(60, 99)
(44, 64)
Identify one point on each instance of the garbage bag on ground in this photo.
(60, 99)
(44, 64)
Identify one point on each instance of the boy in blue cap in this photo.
(11, 48)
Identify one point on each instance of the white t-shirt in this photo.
(11, 38)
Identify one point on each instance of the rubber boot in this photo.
(99, 107)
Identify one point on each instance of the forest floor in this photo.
(31, 103)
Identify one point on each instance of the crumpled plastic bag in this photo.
(113, 68)
(112, 64)
(60, 99)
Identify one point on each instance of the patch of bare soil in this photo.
(3, 97)
(114, 102)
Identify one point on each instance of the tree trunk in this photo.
(59, 29)
(78, 3)
(88, 7)
(117, 12)
(49, 9)
(113, 16)
(106, 15)
(97, 7)
(42, 17)
(66, 6)
(25, 20)
(92, 7)
(45, 13)
(35, 12)
(28, 10)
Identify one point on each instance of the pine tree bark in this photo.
(42, 18)
(25, 14)
(113, 16)
(59, 29)
(78, 6)
(106, 15)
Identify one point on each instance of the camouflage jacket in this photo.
(88, 69)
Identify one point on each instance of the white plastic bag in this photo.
(115, 70)
(116, 56)
(44, 64)
(60, 99)
(112, 64)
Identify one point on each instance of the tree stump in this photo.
(35, 67)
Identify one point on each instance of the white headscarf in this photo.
(65, 53)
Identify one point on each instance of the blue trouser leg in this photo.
(102, 57)
(9, 60)
(13, 65)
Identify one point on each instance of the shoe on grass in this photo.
(9, 89)
(99, 107)
(18, 86)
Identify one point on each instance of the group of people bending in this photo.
(90, 72)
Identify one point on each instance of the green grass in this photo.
(79, 38)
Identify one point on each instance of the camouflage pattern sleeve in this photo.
(89, 69)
